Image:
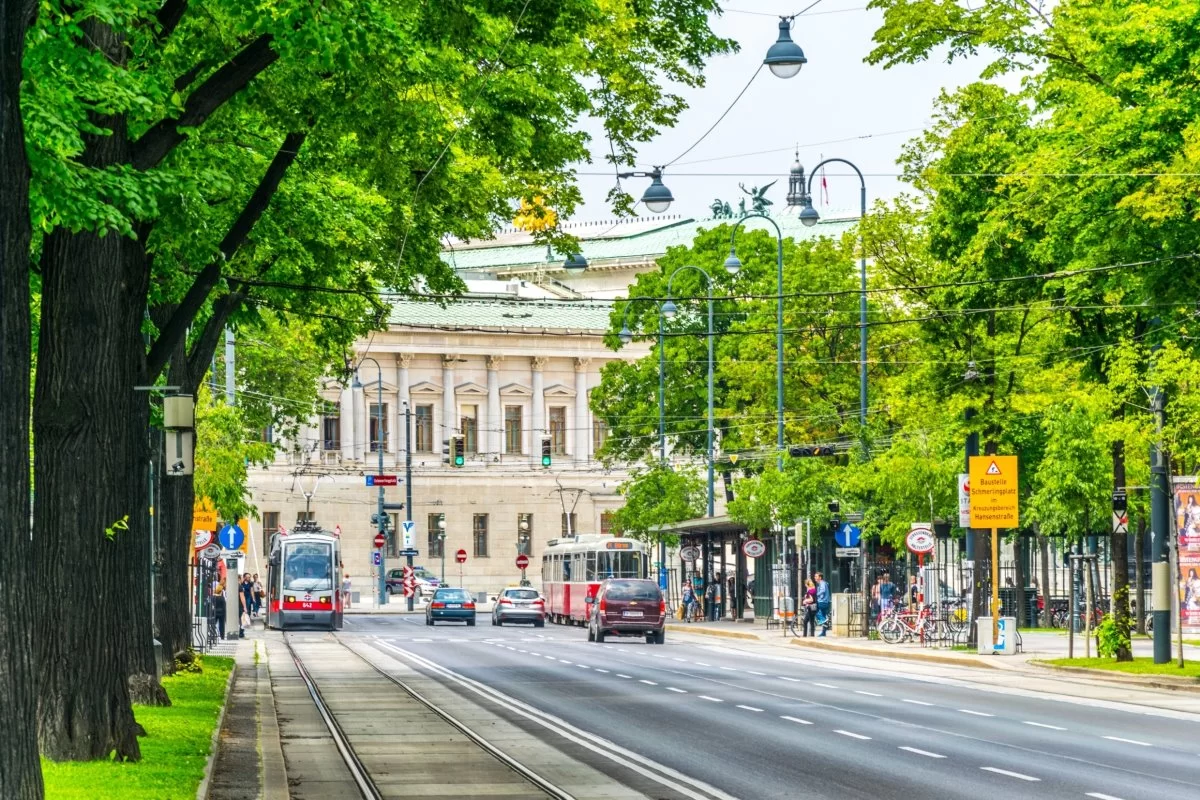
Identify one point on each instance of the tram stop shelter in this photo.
(716, 543)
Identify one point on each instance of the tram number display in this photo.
(618, 545)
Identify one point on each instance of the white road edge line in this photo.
(851, 734)
(975, 713)
(1128, 741)
(920, 752)
(1016, 775)
(750, 708)
(1043, 725)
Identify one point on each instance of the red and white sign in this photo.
(964, 500)
(337, 530)
(461, 556)
(204, 539)
(754, 548)
(920, 539)
(380, 540)
(522, 561)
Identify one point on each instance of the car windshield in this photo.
(632, 590)
(452, 595)
(521, 594)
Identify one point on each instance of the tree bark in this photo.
(1044, 589)
(1119, 600)
(88, 472)
(20, 770)
(1019, 547)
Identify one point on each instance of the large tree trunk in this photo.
(1139, 574)
(1119, 600)
(20, 770)
(88, 429)
(1044, 553)
(144, 685)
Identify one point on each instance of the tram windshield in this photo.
(306, 567)
(615, 564)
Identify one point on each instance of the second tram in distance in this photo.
(573, 567)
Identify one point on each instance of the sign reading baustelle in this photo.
(994, 492)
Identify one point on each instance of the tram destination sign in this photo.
(994, 492)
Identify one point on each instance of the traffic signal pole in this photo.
(1160, 528)
(408, 559)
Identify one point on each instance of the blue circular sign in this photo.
(231, 537)
(847, 535)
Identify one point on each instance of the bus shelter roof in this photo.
(719, 527)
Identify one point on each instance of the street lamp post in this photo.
(442, 544)
(381, 519)
(732, 265)
(810, 217)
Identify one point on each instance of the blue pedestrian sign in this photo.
(848, 535)
(231, 537)
(377, 558)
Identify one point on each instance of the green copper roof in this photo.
(639, 239)
(490, 314)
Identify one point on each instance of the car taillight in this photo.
(437, 604)
(504, 601)
(662, 607)
(468, 604)
(540, 602)
(602, 604)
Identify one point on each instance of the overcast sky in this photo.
(838, 106)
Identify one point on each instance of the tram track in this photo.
(361, 773)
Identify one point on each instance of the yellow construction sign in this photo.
(994, 501)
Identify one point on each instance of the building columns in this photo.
(495, 414)
(402, 398)
(582, 440)
(449, 398)
(538, 404)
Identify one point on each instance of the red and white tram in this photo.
(303, 589)
(573, 567)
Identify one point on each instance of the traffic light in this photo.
(446, 450)
(806, 451)
(459, 449)
(545, 451)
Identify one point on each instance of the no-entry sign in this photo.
(522, 561)
(380, 540)
(461, 556)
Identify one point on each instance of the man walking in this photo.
(824, 603)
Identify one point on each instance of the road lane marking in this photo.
(1016, 775)
(710, 699)
(851, 734)
(750, 708)
(648, 683)
(752, 672)
(563, 660)
(1128, 741)
(550, 658)
(868, 694)
(422, 640)
(620, 675)
(1043, 725)
(673, 689)
(975, 713)
(795, 719)
(925, 753)
(915, 702)
(786, 678)
(599, 670)
(583, 666)
(823, 685)
(680, 660)
(701, 664)
(1101, 796)
(730, 669)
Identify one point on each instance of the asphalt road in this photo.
(743, 721)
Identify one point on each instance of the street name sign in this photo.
(381, 480)
(994, 492)
(847, 552)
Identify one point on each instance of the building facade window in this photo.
(469, 426)
(479, 535)
(607, 527)
(436, 541)
(267, 434)
(270, 526)
(558, 429)
(393, 535)
(305, 516)
(599, 434)
(512, 430)
(525, 534)
(331, 428)
(378, 426)
(568, 524)
(423, 433)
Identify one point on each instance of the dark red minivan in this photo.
(627, 607)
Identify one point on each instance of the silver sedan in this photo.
(519, 604)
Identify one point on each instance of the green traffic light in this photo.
(545, 461)
(459, 461)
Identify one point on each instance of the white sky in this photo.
(838, 106)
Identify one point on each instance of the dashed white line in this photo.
(550, 658)
(915, 702)
(795, 719)
(1128, 741)
(1016, 775)
(851, 734)
(701, 664)
(583, 666)
(710, 699)
(975, 713)
(1100, 796)
(422, 640)
(656, 655)
(925, 753)
(621, 675)
(532, 653)
(673, 689)
(1044, 725)
(730, 669)
(750, 708)
(680, 660)
(786, 678)
(823, 685)
(868, 694)
(752, 672)
(563, 660)
(599, 670)
(648, 683)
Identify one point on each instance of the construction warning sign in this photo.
(994, 492)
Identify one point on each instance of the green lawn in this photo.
(1139, 666)
(174, 751)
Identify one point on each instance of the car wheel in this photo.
(599, 635)
(470, 623)
(388, 589)
(660, 637)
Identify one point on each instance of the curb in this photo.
(202, 789)
(953, 661)
(708, 632)
(1168, 682)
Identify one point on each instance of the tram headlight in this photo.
(325, 599)
(289, 598)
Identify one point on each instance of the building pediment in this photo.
(559, 390)
(516, 390)
(471, 389)
(425, 387)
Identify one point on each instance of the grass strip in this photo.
(174, 749)
(1139, 666)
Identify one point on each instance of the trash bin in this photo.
(1006, 643)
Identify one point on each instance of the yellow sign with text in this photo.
(993, 481)
(204, 520)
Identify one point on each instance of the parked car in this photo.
(627, 607)
(519, 604)
(426, 581)
(450, 603)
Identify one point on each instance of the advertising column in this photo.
(1187, 538)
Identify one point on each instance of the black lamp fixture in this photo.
(785, 57)
(657, 198)
(575, 263)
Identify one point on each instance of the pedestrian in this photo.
(887, 594)
(218, 607)
(718, 604)
(876, 610)
(824, 603)
(689, 602)
(259, 594)
(914, 592)
(731, 595)
(244, 610)
(247, 590)
(346, 590)
(710, 600)
(809, 608)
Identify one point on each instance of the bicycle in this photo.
(900, 625)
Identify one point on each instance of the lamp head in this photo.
(785, 58)
(809, 215)
(626, 335)
(733, 264)
(575, 263)
(356, 382)
(657, 197)
(669, 308)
